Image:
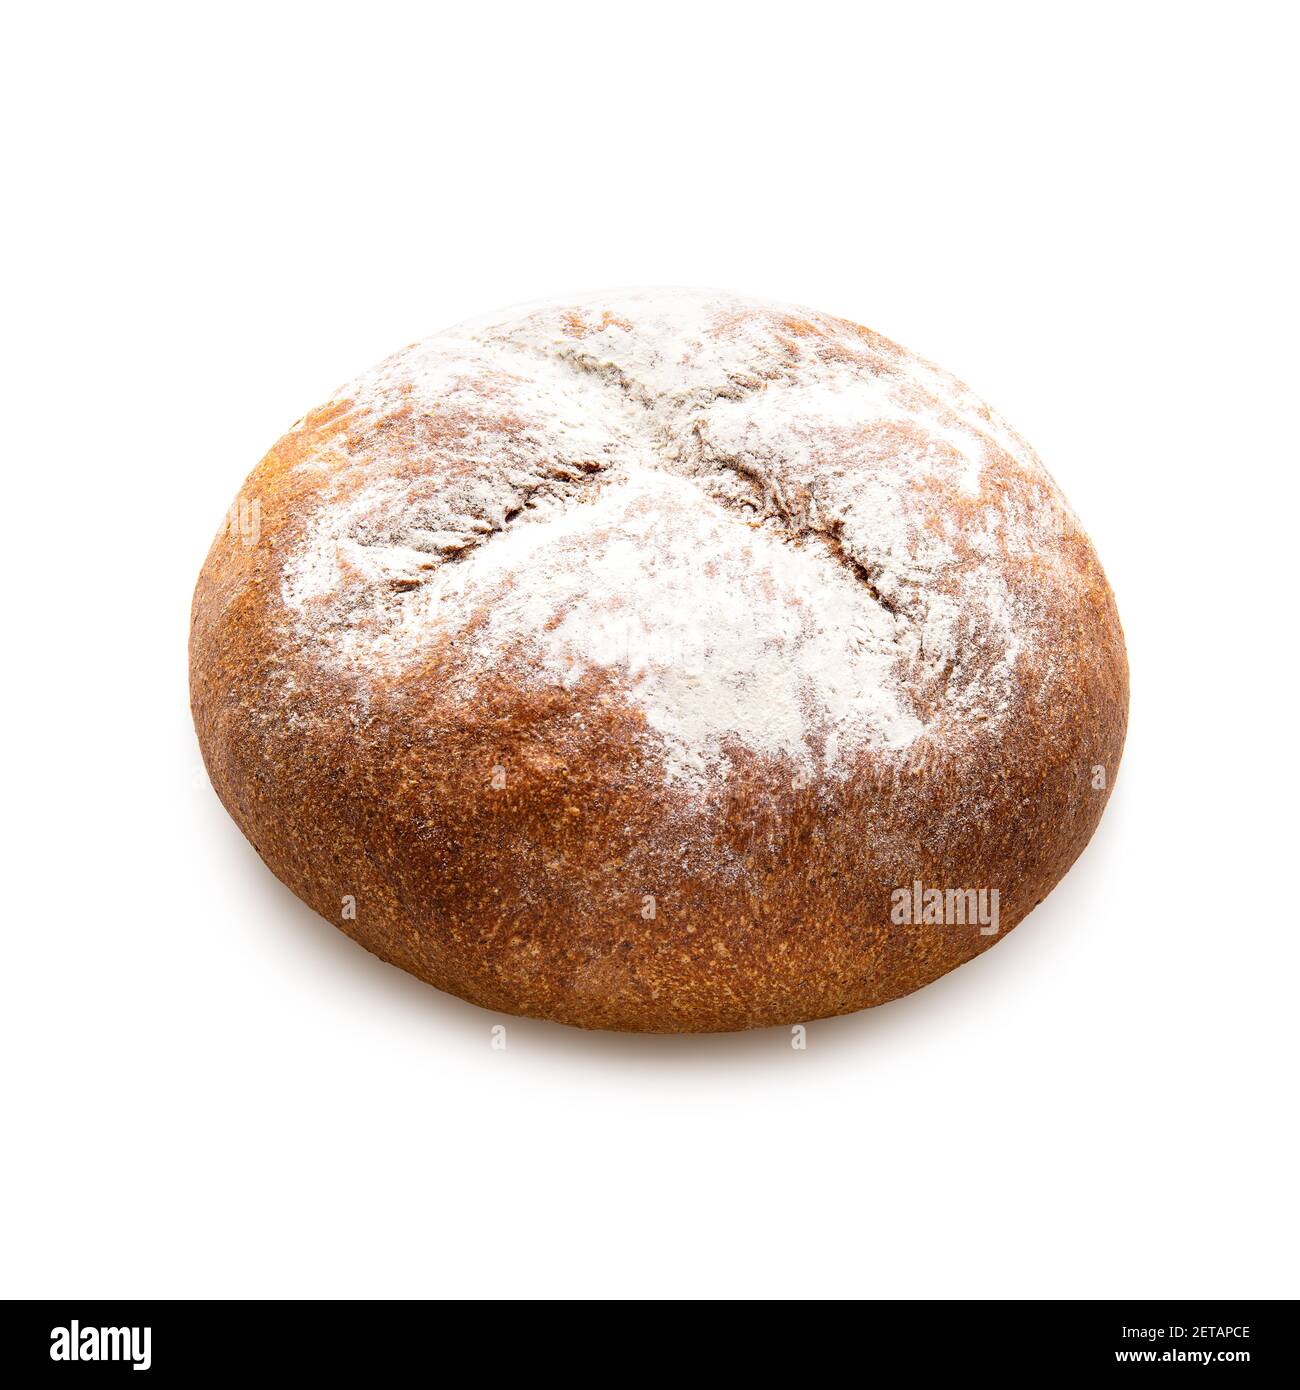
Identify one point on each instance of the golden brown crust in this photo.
(516, 842)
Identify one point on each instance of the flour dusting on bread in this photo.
(775, 530)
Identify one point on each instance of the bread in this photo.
(661, 661)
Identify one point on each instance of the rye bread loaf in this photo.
(660, 660)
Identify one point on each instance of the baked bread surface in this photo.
(619, 661)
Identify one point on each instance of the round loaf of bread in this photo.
(660, 660)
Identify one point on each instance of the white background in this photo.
(216, 217)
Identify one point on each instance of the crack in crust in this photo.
(670, 428)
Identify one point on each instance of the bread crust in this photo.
(522, 841)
